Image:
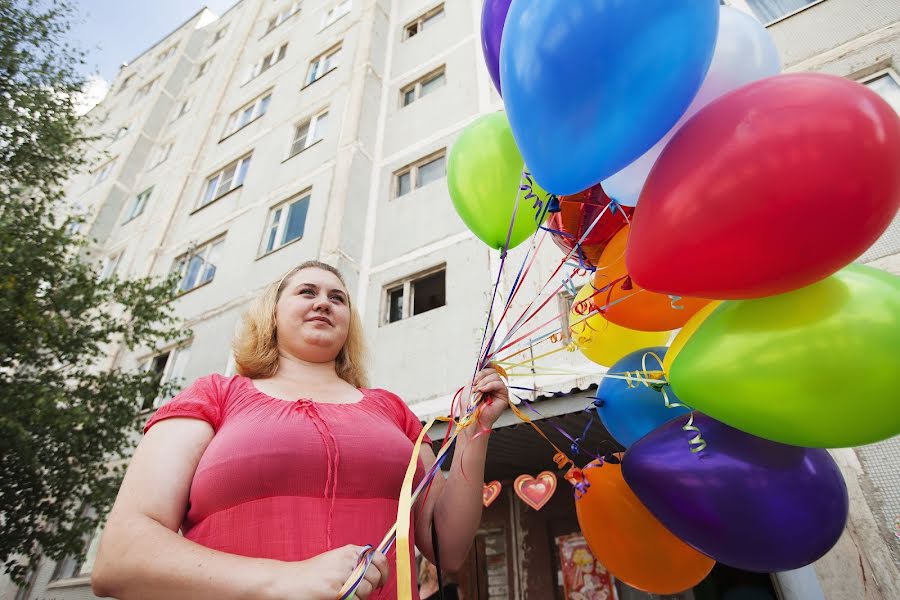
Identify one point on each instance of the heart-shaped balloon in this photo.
(589, 212)
(590, 86)
(490, 493)
(748, 502)
(770, 188)
(535, 491)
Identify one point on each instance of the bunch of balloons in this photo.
(708, 193)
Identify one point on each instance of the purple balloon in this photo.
(747, 502)
(493, 17)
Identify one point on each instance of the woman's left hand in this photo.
(495, 395)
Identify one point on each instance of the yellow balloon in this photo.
(601, 341)
(686, 332)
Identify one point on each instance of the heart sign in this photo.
(490, 493)
(536, 491)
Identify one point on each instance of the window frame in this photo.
(888, 72)
(421, 20)
(231, 124)
(121, 132)
(166, 54)
(283, 209)
(413, 170)
(269, 60)
(407, 284)
(417, 85)
(203, 68)
(281, 16)
(331, 15)
(172, 354)
(144, 91)
(160, 154)
(219, 34)
(239, 166)
(104, 171)
(335, 50)
(110, 265)
(184, 108)
(137, 205)
(313, 136)
(786, 15)
(125, 84)
(182, 263)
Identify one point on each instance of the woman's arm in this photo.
(142, 556)
(455, 505)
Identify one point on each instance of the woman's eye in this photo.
(337, 298)
(307, 292)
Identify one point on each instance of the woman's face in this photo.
(312, 316)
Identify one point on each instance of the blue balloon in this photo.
(630, 413)
(591, 85)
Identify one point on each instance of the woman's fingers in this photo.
(380, 562)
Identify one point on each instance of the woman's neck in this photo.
(295, 370)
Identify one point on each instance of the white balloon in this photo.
(744, 53)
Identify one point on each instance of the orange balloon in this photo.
(639, 309)
(629, 541)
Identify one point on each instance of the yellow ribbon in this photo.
(404, 514)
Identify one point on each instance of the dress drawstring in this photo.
(333, 457)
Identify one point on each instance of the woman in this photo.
(278, 476)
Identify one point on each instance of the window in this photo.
(80, 566)
(887, 85)
(137, 205)
(323, 64)
(198, 266)
(166, 54)
(772, 10)
(340, 8)
(423, 87)
(168, 366)
(126, 83)
(286, 223)
(219, 35)
(143, 91)
(266, 63)
(104, 171)
(183, 108)
(309, 132)
(229, 178)
(429, 19)
(420, 173)
(283, 16)
(415, 295)
(160, 154)
(247, 114)
(120, 133)
(204, 67)
(110, 265)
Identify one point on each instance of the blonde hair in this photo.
(256, 344)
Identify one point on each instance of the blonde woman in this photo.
(277, 477)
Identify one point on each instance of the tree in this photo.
(65, 415)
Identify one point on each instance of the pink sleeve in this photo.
(202, 400)
(406, 419)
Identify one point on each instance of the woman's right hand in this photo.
(324, 575)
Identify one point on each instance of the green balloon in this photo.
(484, 174)
(816, 367)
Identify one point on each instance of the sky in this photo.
(115, 31)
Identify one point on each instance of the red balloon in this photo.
(576, 214)
(770, 188)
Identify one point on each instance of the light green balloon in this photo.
(816, 367)
(484, 174)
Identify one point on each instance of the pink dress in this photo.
(290, 480)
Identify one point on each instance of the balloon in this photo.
(629, 541)
(744, 52)
(493, 16)
(815, 367)
(601, 341)
(580, 212)
(630, 305)
(747, 502)
(483, 173)
(591, 86)
(768, 189)
(631, 410)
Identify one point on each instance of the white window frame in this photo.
(175, 367)
(237, 180)
(313, 133)
(160, 155)
(220, 33)
(137, 205)
(125, 84)
(184, 107)
(423, 20)
(340, 8)
(203, 68)
(120, 133)
(257, 107)
(323, 64)
(277, 229)
(103, 173)
(407, 285)
(144, 91)
(416, 86)
(110, 265)
(787, 15)
(281, 16)
(266, 62)
(181, 266)
(413, 170)
(166, 54)
(73, 567)
(888, 72)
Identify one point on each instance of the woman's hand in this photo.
(328, 572)
(495, 395)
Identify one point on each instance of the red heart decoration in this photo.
(490, 493)
(535, 491)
